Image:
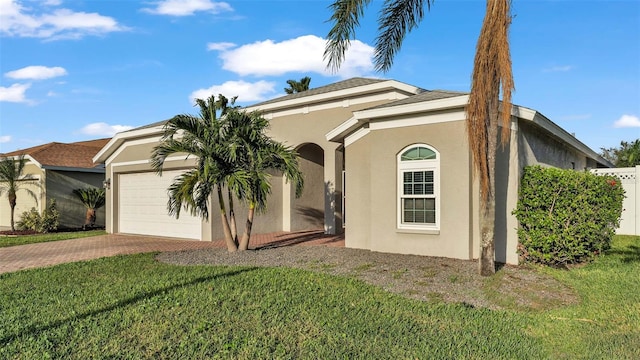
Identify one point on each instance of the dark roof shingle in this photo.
(427, 95)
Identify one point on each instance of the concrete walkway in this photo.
(20, 257)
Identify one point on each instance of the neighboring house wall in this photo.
(60, 185)
(630, 179)
(24, 201)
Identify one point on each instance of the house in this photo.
(385, 162)
(58, 168)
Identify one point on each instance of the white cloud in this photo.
(187, 7)
(5, 139)
(302, 55)
(562, 68)
(104, 129)
(14, 93)
(54, 24)
(52, 2)
(36, 73)
(245, 91)
(627, 121)
(221, 46)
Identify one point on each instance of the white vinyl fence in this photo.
(630, 178)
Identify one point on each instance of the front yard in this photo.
(10, 240)
(137, 307)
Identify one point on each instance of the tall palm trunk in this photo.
(231, 245)
(232, 218)
(12, 203)
(486, 264)
(491, 71)
(244, 243)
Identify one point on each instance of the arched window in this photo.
(419, 188)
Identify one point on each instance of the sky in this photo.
(75, 70)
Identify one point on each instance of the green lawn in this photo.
(6, 241)
(134, 307)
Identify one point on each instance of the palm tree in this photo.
(298, 86)
(93, 199)
(201, 138)
(255, 154)
(492, 74)
(13, 179)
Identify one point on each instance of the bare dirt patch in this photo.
(417, 277)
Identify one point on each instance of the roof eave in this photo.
(363, 117)
(551, 127)
(338, 94)
(74, 169)
(120, 138)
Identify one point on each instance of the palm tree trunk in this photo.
(12, 204)
(244, 243)
(487, 232)
(232, 218)
(89, 218)
(231, 245)
(488, 207)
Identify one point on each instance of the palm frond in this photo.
(12, 177)
(91, 197)
(185, 192)
(346, 18)
(397, 18)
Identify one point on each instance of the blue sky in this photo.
(73, 70)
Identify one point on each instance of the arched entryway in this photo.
(308, 211)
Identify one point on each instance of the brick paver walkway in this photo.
(15, 258)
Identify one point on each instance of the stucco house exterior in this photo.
(58, 169)
(384, 161)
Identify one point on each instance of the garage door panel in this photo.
(143, 207)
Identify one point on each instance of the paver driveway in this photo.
(15, 258)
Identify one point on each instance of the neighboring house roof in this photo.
(77, 155)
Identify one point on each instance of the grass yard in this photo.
(135, 307)
(6, 241)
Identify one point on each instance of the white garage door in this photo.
(143, 207)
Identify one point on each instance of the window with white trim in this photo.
(419, 188)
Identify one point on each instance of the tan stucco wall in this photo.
(358, 193)
(24, 201)
(508, 175)
(300, 126)
(539, 148)
(269, 221)
(377, 152)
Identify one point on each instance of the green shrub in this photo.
(32, 220)
(566, 216)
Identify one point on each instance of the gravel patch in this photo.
(417, 277)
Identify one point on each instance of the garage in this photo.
(142, 207)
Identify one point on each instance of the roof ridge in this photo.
(340, 85)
